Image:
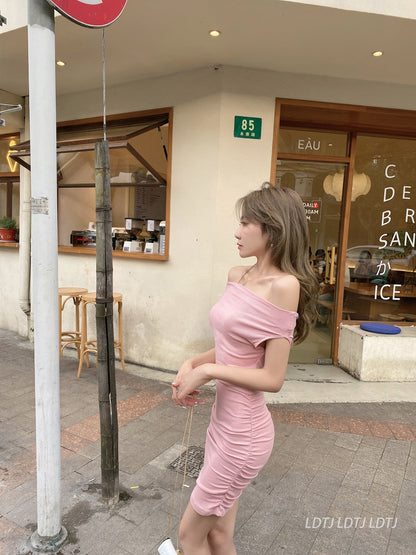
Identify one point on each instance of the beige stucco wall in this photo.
(166, 304)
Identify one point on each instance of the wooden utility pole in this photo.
(105, 332)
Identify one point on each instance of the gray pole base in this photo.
(48, 544)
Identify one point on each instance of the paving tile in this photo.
(338, 424)
(389, 474)
(327, 482)
(402, 431)
(410, 472)
(293, 484)
(311, 505)
(295, 417)
(349, 441)
(348, 502)
(379, 429)
(87, 429)
(332, 541)
(396, 452)
(278, 415)
(375, 442)
(73, 442)
(372, 539)
(261, 529)
(319, 421)
(150, 531)
(368, 455)
(382, 500)
(293, 539)
(359, 477)
(358, 426)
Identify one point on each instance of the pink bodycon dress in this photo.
(240, 435)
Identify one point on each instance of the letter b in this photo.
(385, 217)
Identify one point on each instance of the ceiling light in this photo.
(215, 33)
(377, 53)
(333, 184)
(60, 63)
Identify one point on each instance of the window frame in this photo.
(96, 124)
(355, 120)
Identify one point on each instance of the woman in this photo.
(254, 322)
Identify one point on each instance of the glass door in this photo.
(320, 186)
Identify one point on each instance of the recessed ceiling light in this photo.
(215, 33)
(377, 53)
(60, 63)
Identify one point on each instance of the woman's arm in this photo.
(268, 378)
(203, 358)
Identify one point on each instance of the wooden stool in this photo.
(348, 311)
(90, 346)
(68, 337)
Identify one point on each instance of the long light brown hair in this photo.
(282, 216)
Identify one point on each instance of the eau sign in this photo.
(90, 13)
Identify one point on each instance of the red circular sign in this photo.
(91, 13)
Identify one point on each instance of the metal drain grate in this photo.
(194, 464)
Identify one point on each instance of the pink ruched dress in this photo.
(240, 435)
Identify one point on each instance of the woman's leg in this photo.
(220, 537)
(193, 532)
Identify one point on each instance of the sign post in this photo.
(41, 42)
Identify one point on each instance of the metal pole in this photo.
(42, 96)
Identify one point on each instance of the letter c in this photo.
(387, 169)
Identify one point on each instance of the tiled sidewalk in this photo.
(341, 478)
(343, 424)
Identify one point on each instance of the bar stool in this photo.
(68, 337)
(90, 345)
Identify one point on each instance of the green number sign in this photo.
(247, 128)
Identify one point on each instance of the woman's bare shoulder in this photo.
(236, 273)
(285, 292)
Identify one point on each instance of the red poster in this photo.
(90, 13)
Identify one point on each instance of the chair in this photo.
(90, 345)
(68, 337)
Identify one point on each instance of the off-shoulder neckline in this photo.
(260, 297)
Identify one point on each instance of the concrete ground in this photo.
(341, 479)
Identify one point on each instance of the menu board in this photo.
(150, 203)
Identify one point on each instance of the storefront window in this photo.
(380, 281)
(139, 146)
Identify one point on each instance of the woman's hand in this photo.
(185, 368)
(187, 381)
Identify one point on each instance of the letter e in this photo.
(406, 192)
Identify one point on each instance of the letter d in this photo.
(316, 523)
(380, 522)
